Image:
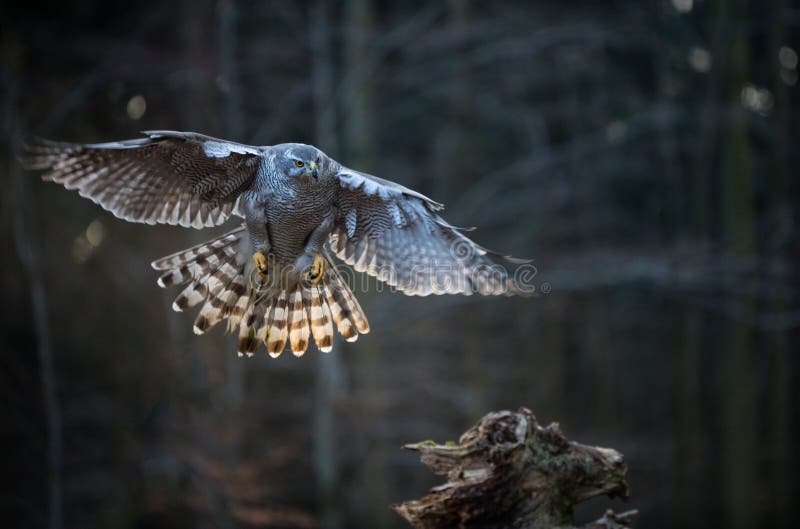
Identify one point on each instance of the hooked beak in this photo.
(314, 172)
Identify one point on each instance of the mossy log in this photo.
(509, 472)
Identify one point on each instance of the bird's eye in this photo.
(298, 163)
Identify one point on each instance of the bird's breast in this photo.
(291, 222)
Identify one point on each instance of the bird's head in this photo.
(300, 161)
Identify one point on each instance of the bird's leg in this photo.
(257, 225)
(317, 269)
(260, 261)
(314, 248)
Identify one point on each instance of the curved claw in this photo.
(317, 269)
(261, 264)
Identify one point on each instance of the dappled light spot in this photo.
(700, 59)
(757, 99)
(95, 233)
(615, 131)
(683, 6)
(90, 239)
(137, 106)
(788, 58)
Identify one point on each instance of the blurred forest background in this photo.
(643, 153)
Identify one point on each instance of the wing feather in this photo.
(167, 177)
(396, 235)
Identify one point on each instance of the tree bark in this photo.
(509, 472)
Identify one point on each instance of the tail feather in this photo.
(239, 309)
(277, 331)
(190, 296)
(198, 291)
(319, 318)
(298, 322)
(263, 322)
(196, 268)
(249, 326)
(356, 312)
(190, 255)
(216, 274)
(225, 286)
(340, 312)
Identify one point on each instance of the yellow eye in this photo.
(298, 163)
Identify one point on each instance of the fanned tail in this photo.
(218, 274)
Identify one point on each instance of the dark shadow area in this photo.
(644, 154)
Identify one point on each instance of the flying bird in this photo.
(273, 276)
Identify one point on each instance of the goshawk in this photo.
(273, 276)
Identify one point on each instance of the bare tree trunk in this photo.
(26, 236)
(322, 78)
(688, 420)
(780, 394)
(196, 95)
(738, 391)
(358, 101)
(233, 387)
(328, 382)
(456, 173)
(232, 128)
(793, 359)
(359, 152)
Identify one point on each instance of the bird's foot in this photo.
(317, 269)
(261, 264)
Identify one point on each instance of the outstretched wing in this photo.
(395, 234)
(167, 177)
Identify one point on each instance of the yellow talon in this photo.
(317, 269)
(261, 264)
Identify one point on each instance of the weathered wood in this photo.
(509, 472)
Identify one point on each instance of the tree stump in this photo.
(509, 472)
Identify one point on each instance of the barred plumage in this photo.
(294, 200)
(163, 178)
(319, 318)
(298, 323)
(341, 314)
(249, 326)
(217, 280)
(277, 332)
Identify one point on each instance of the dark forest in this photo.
(641, 153)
